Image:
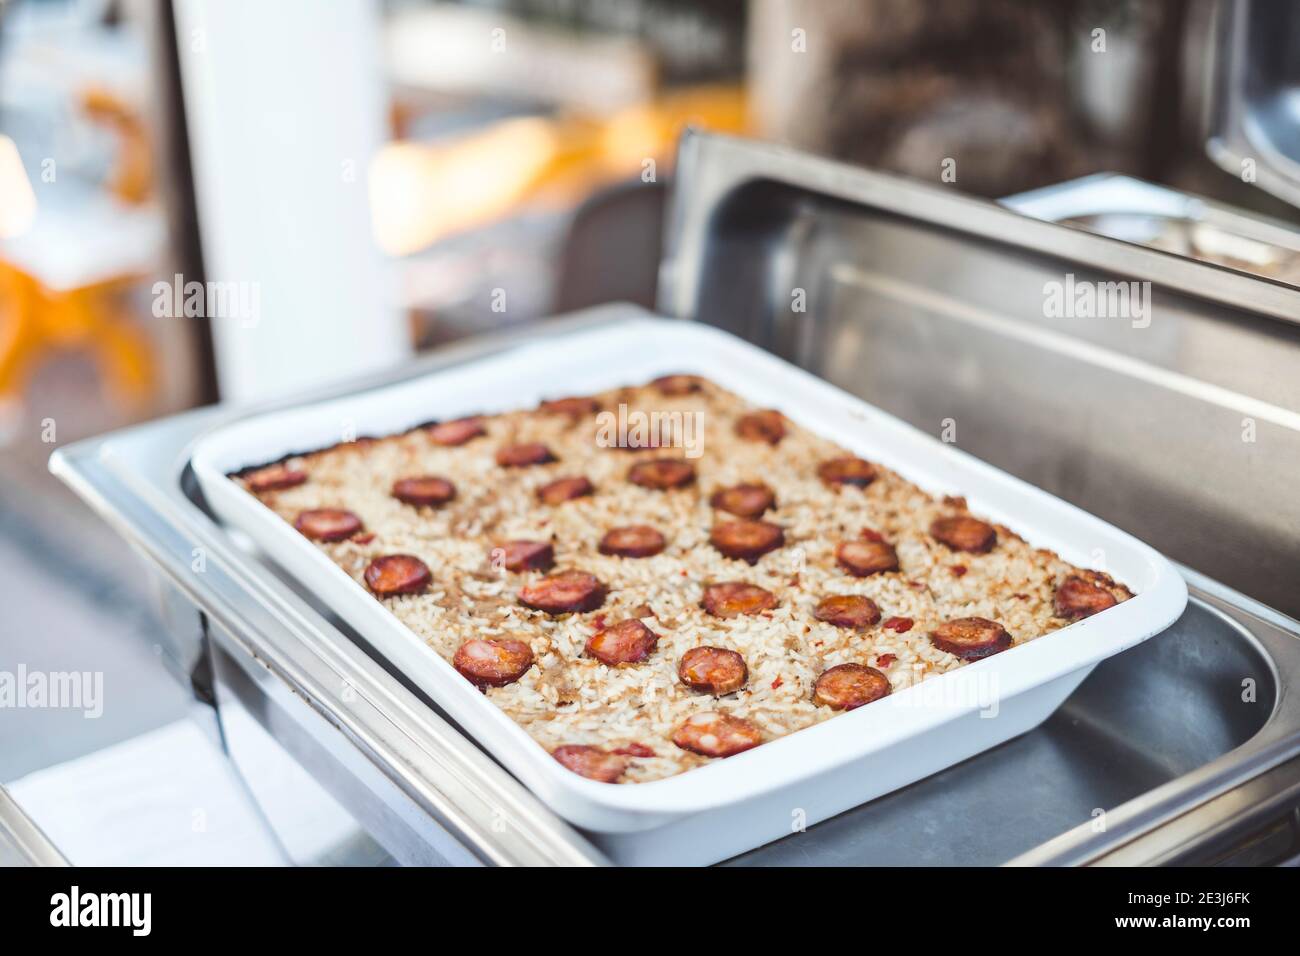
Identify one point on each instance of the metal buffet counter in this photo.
(1185, 749)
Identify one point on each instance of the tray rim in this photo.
(662, 799)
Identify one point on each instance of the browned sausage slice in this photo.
(456, 432)
(971, 638)
(425, 491)
(397, 574)
(634, 541)
(847, 610)
(275, 478)
(847, 471)
(564, 592)
(677, 385)
(746, 540)
(526, 555)
(744, 500)
(564, 489)
(713, 670)
(521, 456)
(847, 686)
(863, 558)
(1077, 598)
(766, 426)
(493, 662)
(712, 734)
(328, 524)
(964, 533)
(734, 598)
(591, 762)
(573, 407)
(662, 473)
(634, 749)
(627, 642)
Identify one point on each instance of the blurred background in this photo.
(364, 180)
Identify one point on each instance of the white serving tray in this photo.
(731, 805)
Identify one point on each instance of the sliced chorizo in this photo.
(564, 592)
(633, 541)
(744, 500)
(713, 670)
(275, 478)
(712, 734)
(525, 555)
(848, 686)
(767, 426)
(327, 524)
(847, 610)
(971, 638)
(456, 432)
(425, 491)
(1077, 598)
(662, 474)
(591, 762)
(736, 598)
(677, 385)
(397, 574)
(493, 662)
(864, 558)
(521, 456)
(564, 489)
(574, 407)
(964, 533)
(847, 471)
(627, 642)
(746, 540)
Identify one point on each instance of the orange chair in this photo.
(36, 321)
(39, 316)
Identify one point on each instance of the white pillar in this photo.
(285, 105)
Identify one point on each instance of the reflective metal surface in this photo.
(1135, 211)
(1255, 113)
(21, 841)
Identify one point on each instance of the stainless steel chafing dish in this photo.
(930, 305)
(1140, 212)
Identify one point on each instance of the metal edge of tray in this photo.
(1248, 786)
(711, 167)
(1116, 194)
(462, 786)
(433, 764)
(22, 843)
